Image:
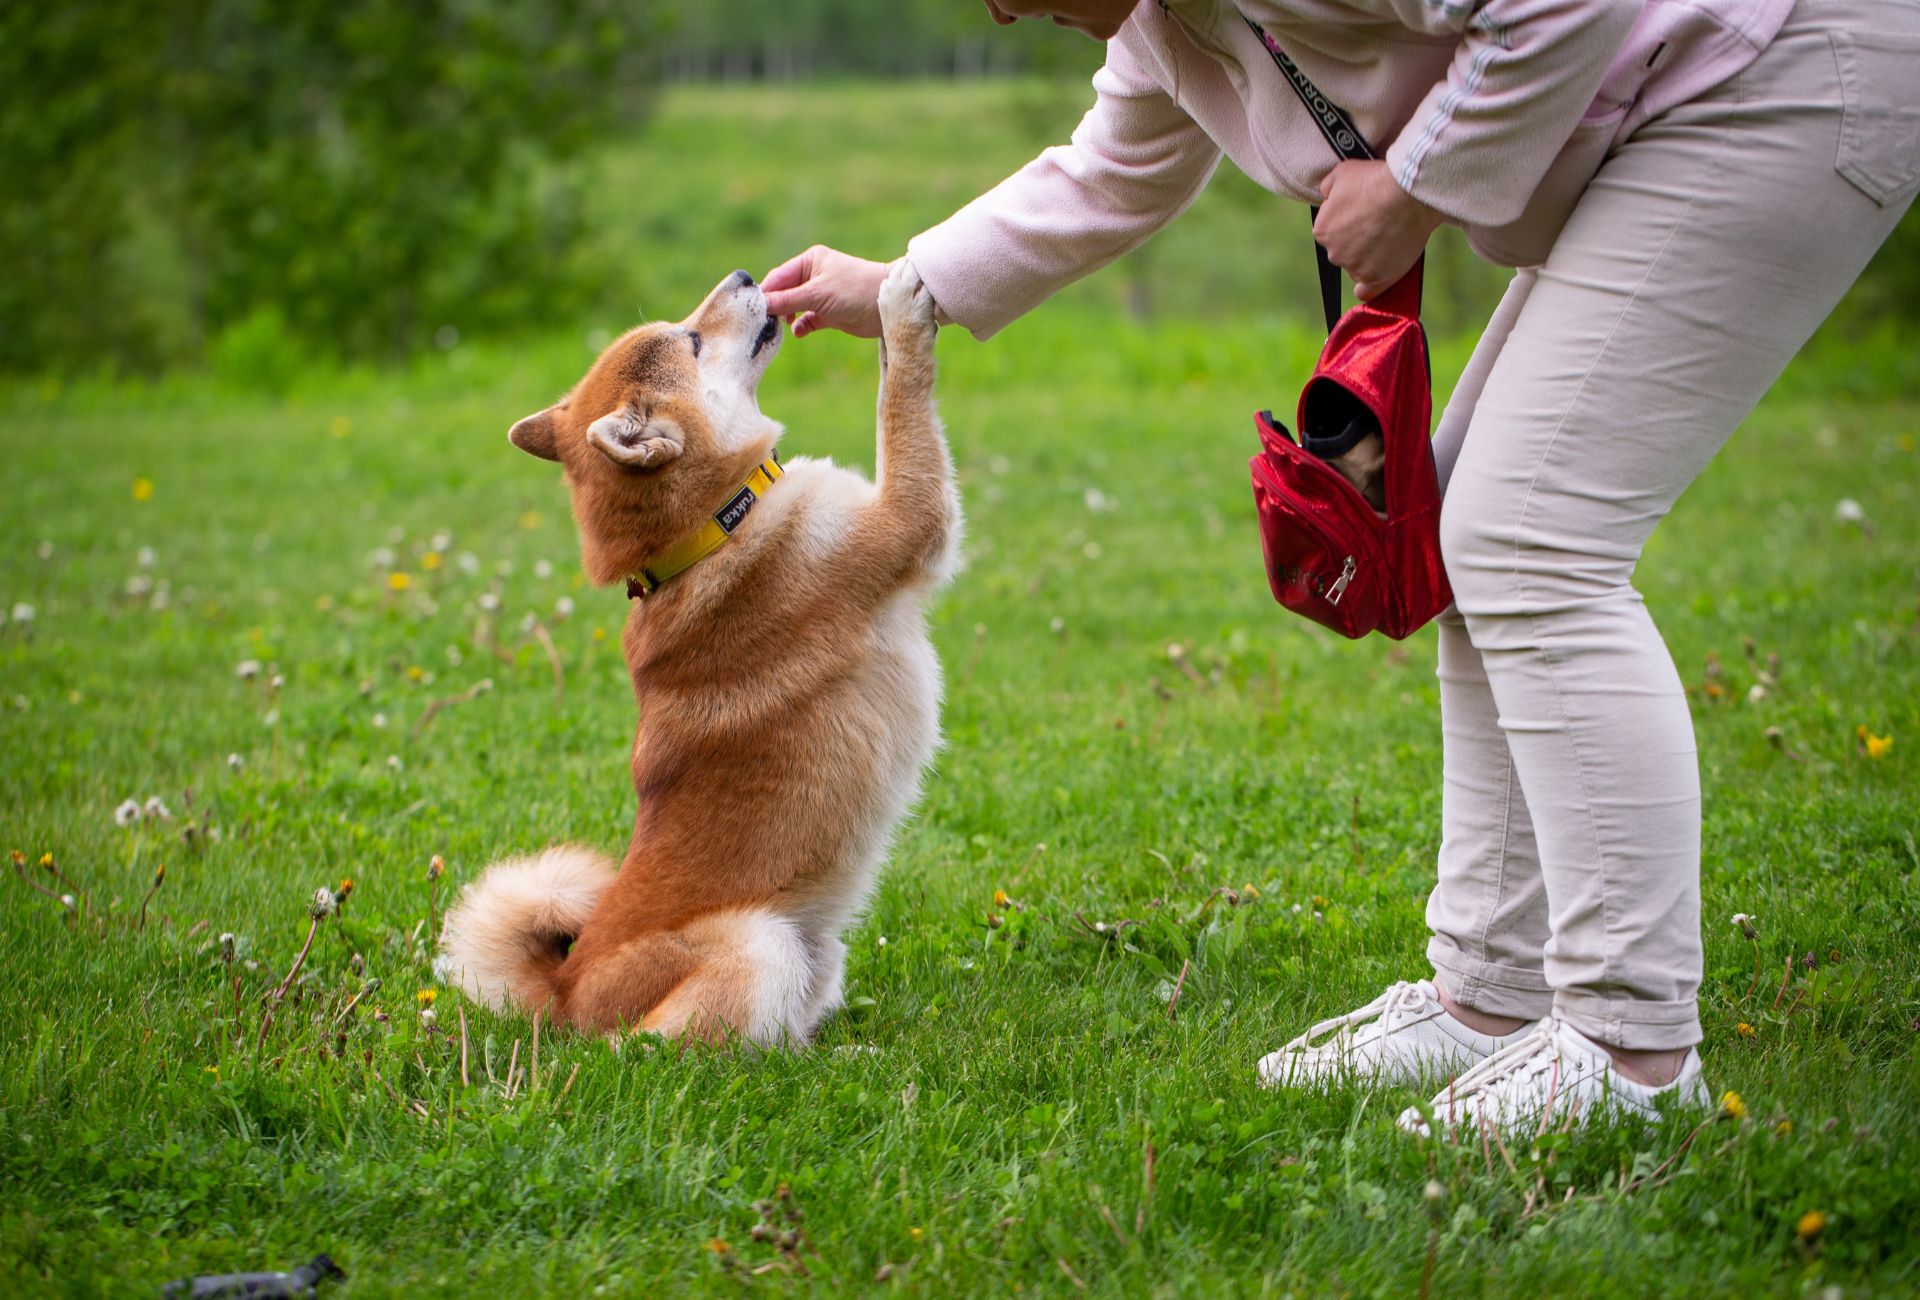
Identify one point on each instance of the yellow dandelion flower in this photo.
(415, 672)
(1783, 1129)
(323, 603)
(430, 561)
(1811, 1225)
(339, 426)
(1000, 898)
(399, 581)
(346, 887)
(19, 858)
(1250, 890)
(599, 634)
(143, 489)
(1877, 746)
(214, 1070)
(46, 861)
(1320, 901)
(916, 1233)
(427, 997)
(1744, 1029)
(1730, 1104)
(159, 873)
(718, 1245)
(530, 520)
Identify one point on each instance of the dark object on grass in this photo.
(255, 1286)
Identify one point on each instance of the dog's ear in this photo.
(633, 441)
(535, 435)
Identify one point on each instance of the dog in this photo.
(789, 693)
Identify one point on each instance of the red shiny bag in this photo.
(1329, 555)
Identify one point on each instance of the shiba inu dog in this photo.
(789, 694)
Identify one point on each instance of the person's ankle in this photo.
(1650, 1069)
(1478, 1021)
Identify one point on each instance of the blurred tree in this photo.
(366, 172)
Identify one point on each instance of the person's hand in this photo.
(1371, 228)
(824, 288)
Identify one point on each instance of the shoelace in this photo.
(1532, 1056)
(1407, 995)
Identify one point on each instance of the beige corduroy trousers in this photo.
(1702, 256)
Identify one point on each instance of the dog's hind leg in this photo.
(827, 994)
(751, 977)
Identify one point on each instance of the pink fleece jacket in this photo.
(1495, 112)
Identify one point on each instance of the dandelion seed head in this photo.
(156, 808)
(69, 902)
(235, 762)
(247, 669)
(22, 612)
(323, 905)
(127, 813)
(1848, 511)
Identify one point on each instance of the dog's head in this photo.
(663, 426)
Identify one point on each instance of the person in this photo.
(1689, 187)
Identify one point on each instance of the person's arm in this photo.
(1524, 75)
(1136, 161)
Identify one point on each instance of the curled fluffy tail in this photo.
(510, 929)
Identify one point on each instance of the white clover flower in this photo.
(563, 607)
(23, 612)
(247, 669)
(1849, 511)
(156, 808)
(127, 813)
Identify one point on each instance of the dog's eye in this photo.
(695, 336)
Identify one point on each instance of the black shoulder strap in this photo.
(1342, 137)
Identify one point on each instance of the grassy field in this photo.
(1004, 1108)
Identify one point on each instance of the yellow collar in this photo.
(707, 538)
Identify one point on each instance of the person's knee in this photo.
(1479, 548)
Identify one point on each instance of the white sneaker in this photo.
(1552, 1076)
(1401, 1036)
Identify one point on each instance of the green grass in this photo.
(984, 1117)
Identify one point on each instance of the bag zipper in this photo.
(1339, 587)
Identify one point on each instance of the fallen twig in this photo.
(434, 706)
(545, 639)
(1178, 984)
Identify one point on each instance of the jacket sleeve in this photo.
(1136, 161)
(1524, 75)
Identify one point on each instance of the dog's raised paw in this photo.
(906, 308)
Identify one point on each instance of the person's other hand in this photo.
(824, 288)
(1371, 228)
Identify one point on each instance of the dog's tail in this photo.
(510, 929)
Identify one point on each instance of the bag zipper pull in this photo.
(1339, 587)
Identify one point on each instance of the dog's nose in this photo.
(742, 280)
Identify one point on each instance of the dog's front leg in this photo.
(913, 522)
